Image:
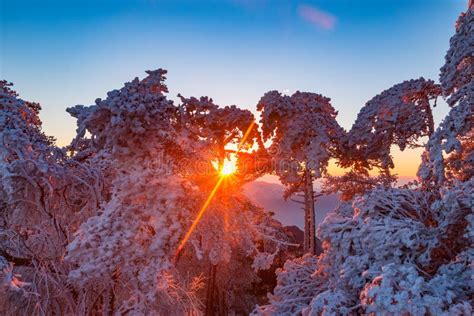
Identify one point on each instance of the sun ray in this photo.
(198, 217)
(209, 198)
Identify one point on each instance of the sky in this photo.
(63, 53)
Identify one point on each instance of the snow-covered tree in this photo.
(400, 250)
(151, 153)
(454, 136)
(249, 243)
(126, 250)
(304, 135)
(353, 183)
(295, 287)
(219, 133)
(384, 251)
(399, 116)
(215, 128)
(45, 196)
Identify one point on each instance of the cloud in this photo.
(317, 17)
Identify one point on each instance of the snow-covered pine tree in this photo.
(126, 250)
(156, 159)
(304, 135)
(453, 138)
(399, 116)
(44, 196)
(238, 227)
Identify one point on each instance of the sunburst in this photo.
(228, 169)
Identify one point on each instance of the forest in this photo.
(143, 213)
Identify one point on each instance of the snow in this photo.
(98, 227)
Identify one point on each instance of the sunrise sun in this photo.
(229, 167)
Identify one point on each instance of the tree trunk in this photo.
(211, 290)
(111, 294)
(306, 222)
(429, 112)
(310, 218)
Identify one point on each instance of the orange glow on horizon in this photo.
(406, 164)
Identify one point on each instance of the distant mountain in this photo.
(270, 196)
(295, 233)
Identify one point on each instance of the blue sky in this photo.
(62, 53)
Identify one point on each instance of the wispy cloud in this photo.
(318, 18)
